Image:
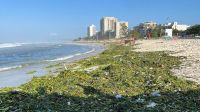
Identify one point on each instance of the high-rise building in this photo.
(108, 26)
(121, 29)
(112, 28)
(92, 31)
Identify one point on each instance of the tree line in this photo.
(159, 31)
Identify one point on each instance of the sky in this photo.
(63, 20)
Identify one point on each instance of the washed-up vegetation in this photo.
(54, 65)
(117, 80)
(31, 72)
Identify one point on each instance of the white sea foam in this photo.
(89, 51)
(63, 58)
(77, 54)
(6, 45)
(9, 68)
(71, 56)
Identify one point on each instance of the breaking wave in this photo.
(9, 68)
(6, 45)
(71, 56)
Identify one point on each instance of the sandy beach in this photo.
(190, 48)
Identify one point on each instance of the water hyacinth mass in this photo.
(117, 80)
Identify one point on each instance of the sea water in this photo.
(16, 59)
(18, 55)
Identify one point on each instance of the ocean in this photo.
(18, 55)
(17, 59)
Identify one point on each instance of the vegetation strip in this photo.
(117, 80)
(31, 72)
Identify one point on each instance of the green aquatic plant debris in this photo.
(117, 80)
(31, 72)
(54, 65)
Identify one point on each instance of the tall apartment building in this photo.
(111, 27)
(108, 26)
(92, 31)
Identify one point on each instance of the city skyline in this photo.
(49, 20)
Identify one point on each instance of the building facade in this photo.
(179, 27)
(176, 26)
(121, 29)
(108, 24)
(91, 31)
(168, 33)
(108, 27)
(148, 25)
(111, 27)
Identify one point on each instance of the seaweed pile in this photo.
(117, 80)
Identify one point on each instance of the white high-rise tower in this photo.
(92, 31)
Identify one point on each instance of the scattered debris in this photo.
(91, 68)
(139, 100)
(68, 103)
(151, 105)
(118, 96)
(77, 67)
(156, 93)
(116, 56)
(106, 73)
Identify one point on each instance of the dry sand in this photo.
(190, 48)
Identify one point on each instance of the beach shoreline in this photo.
(19, 76)
(118, 77)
